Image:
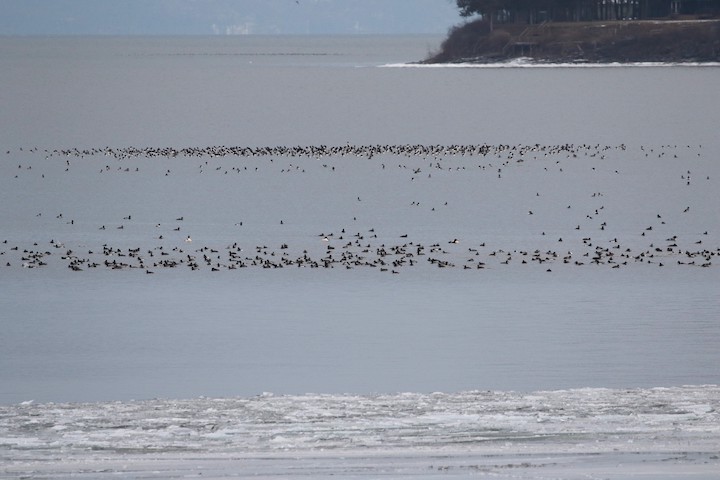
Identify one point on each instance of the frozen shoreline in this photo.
(629, 433)
(530, 63)
(671, 465)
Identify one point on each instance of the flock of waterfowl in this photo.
(355, 251)
(318, 151)
(591, 242)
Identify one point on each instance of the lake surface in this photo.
(86, 336)
(298, 256)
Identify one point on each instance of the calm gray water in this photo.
(117, 336)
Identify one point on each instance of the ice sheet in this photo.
(600, 433)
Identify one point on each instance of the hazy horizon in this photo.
(226, 17)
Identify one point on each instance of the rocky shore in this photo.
(689, 40)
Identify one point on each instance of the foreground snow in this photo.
(580, 433)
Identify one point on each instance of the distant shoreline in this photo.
(524, 62)
(646, 41)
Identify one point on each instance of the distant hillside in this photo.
(596, 42)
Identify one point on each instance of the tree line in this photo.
(537, 11)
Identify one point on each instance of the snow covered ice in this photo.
(580, 433)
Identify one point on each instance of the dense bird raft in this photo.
(317, 151)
